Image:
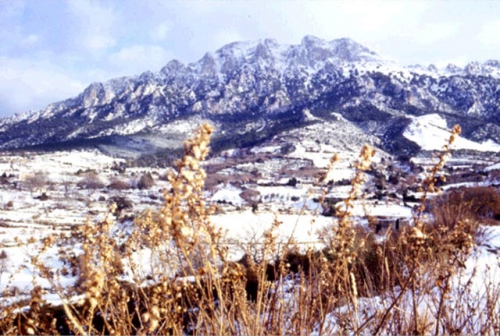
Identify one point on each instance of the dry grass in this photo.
(357, 283)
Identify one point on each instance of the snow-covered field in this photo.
(431, 131)
(26, 217)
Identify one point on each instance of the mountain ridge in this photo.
(258, 88)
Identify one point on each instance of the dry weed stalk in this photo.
(429, 183)
(192, 287)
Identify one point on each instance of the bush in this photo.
(278, 288)
(250, 196)
(42, 197)
(36, 181)
(118, 184)
(91, 181)
(146, 181)
(292, 182)
(476, 203)
(122, 203)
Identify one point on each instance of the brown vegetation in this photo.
(118, 184)
(36, 181)
(146, 181)
(90, 180)
(276, 289)
(480, 202)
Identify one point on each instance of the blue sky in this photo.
(51, 50)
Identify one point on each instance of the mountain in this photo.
(252, 91)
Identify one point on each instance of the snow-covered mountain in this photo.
(252, 91)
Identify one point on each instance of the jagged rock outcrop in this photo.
(253, 90)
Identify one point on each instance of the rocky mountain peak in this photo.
(493, 63)
(453, 69)
(172, 67)
(254, 90)
(312, 41)
(432, 68)
(343, 49)
(92, 95)
(208, 65)
(350, 51)
(473, 68)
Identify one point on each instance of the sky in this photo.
(51, 50)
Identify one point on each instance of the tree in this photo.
(36, 181)
(91, 181)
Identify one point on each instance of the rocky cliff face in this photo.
(254, 90)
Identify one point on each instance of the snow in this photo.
(319, 156)
(465, 184)
(36, 219)
(131, 127)
(266, 149)
(495, 166)
(481, 276)
(229, 194)
(284, 197)
(20, 272)
(378, 209)
(340, 174)
(430, 133)
(246, 227)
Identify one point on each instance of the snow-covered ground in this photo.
(25, 218)
(229, 194)
(379, 209)
(476, 285)
(492, 167)
(431, 131)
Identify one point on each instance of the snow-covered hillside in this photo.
(431, 131)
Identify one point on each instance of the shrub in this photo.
(485, 201)
(81, 172)
(292, 182)
(278, 288)
(118, 184)
(475, 203)
(122, 203)
(42, 197)
(250, 196)
(146, 181)
(91, 181)
(36, 181)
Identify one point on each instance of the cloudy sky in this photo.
(52, 49)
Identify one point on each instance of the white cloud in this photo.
(160, 32)
(374, 17)
(488, 36)
(224, 37)
(98, 42)
(360, 20)
(30, 40)
(138, 58)
(26, 85)
(96, 24)
(429, 33)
